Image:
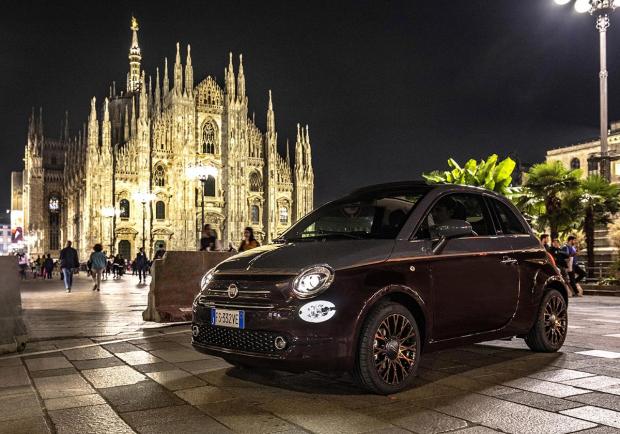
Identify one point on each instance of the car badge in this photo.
(233, 290)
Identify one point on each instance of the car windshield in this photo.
(378, 215)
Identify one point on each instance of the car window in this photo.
(454, 208)
(509, 222)
(378, 216)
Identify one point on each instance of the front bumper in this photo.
(309, 346)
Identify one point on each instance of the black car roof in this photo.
(420, 185)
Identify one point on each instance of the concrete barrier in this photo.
(13, 334)
(175, 283)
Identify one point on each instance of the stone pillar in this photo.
(13, 335)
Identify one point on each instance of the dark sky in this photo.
(389, 88)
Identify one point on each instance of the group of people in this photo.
(99, 265)
(210, 242)
(566, 260)
(41, 267)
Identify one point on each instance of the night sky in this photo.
(390, 89)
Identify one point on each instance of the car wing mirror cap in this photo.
(449, 230)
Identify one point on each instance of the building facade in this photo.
(124, 180)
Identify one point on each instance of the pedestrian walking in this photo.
(22, 260)
(98, 263)
(68, 262)
(141, 263)
(248, 242)
(575, 272)
(48, 265)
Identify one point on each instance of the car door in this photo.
(474, 279)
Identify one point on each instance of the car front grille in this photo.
(254, 291)
(253, 341)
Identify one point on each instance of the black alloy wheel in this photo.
(389, 351)
(551, 326)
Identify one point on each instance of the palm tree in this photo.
(600, 200)
(558, 190)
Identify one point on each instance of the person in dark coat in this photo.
(68, 262)
(141, 263)
(48, 266)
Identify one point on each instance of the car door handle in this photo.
(506, 260)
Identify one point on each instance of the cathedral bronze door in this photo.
(124, 248)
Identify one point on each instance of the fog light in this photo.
(280, 343)
(317, 311)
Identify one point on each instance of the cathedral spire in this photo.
(157, 104)
(189, 73)
(133, 117)
(143, 99)
(40, 123)
(93, 110)
(288, 153)
(106, 111)
(135, 56)
(241, 79)
(178, 73)
(229, 74)
(166, 83)
(271, 118)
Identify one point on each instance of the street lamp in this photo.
(201, 172)
(144, 198)
(109, 212)
(600, 9)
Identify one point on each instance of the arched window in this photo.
(283, 215)
(255, 214)
(209, 186)
(160, 210)
(124, 208)
(54, 220)
(208, 138)
(159, 177)
(575, 164)
(256, 183)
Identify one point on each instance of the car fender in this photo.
(393, 289)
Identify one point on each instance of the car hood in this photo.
(290, 258)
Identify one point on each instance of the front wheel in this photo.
(389, 349)
(548, 333)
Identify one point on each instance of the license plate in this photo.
(228, 318)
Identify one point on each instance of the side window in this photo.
(509, 222)
(458, 208)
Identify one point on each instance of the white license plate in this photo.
(228, 318)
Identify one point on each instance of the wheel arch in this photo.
(555, 283)
(403, 295)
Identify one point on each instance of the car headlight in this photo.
(313, 280)
(206, 279)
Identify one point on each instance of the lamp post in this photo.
(600, 10)
(201, 172)
(109, 212)
(144, 198)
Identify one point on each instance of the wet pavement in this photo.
(152, 381)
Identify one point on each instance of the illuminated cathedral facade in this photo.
(128, 178)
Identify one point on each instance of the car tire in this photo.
(549, 331)
(388, 364)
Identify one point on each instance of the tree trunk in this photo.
(588, 228)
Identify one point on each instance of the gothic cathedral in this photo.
(155, 162)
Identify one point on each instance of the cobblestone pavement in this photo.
(156, 383)
(50, 312)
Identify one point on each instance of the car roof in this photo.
(418, 185)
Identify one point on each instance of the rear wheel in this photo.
(389, 349)
(549, 331)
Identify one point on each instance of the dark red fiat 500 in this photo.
(369, 282)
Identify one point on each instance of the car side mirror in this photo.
(447, 231)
